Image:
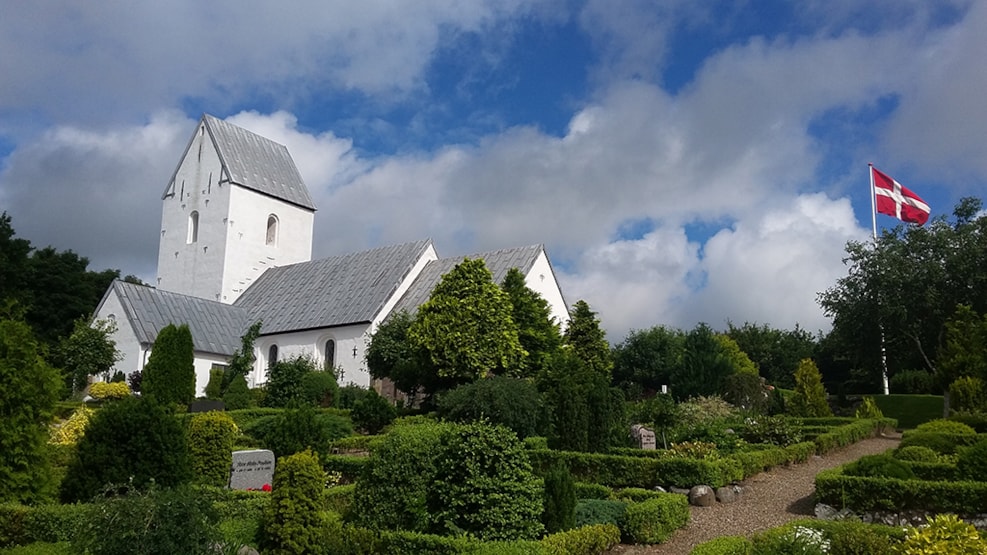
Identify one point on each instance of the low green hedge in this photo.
(22, 525)
(725, 545)
(889, 494)
(654, 520)
(851, 433)
(644, 472)
(354, 443)
(349, 466)
(588, 490)
(945, 444)
(933, 471)
(339, 498)
(588, 540)
(752, 462)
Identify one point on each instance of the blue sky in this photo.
(682, 161)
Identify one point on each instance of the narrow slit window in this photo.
(272, 230)
(272, 356)
(193, 227)
(330, 355)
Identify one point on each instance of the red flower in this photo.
(266, 487)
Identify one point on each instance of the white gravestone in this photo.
(252, 469)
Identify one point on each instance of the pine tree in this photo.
(809, 399)
(588, 340)
(538, 331)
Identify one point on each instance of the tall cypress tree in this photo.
(170, 372)
(537, 329)
(585, 336)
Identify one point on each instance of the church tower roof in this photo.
(254, 162)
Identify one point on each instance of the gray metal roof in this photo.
(254, 162)
(216, 327)
(498, 262)
(334, 291)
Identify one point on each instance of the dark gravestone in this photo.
(252, 469)
(206, 406)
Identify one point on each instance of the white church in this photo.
(236, 248)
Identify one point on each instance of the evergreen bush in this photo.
(102, 391)
(294, 521)
(869, 409)
(214, 389)
(809, 397)
(319, 388)
(943, 426)
(912, 382)
(132, 441)
(210, 443)
(560, 500)
(297, 429)
(372, 413)
(169, 374)
(879, 466)
(916, 453)
(238, 395)
(284, 381)
(484, 485)
(945, 534)
(509, 402)
(967, 394)
(725, 545)
(654, 520)
(972, 462)
(599, 511)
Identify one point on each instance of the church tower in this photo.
(235, 206)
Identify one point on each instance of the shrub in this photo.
(916, 453)
(747, 391)
(599, 511)
(777, 430)
(238, 395)
(586, 490)
(284, 381)
(294, 521)
(587, 540)
(210, 444)
(802, 540)
(560, 500)
(109, 390)
(943, 426)
(498, 400)
(967, 394)
(698, 450)
(72, 430)
(946, 535)
(169, 374)
(484, 485)
(319, 388)
(975, 419)
(133, 441)
(809, 397)
(214, 389)
(879, 466)
(972, 462)
(912, 382)
(654, 520)
(942, 443)
(372, 413)
(391, 491)
(300, 428)
(868, 409)
(348, 395)
(175, 520)
(134, 379)
(725, 545)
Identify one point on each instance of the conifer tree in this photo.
(588, 340)
(538, 331)
(169, 375)
(809, 399)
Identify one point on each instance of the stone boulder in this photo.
(702, 496)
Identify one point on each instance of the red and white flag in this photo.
(894, 200)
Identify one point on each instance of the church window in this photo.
(272, 230)
(193, 227)
(272, 356)
(330, 355)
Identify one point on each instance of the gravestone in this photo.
(645, 438)
(205, 405)
(252, 469)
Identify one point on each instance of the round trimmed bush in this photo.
(943, 426)
(972, 462)
(508, 402)
(295, 430)
(319, 388)
(879, 466)
(916, 453)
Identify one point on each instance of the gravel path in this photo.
(770, 499)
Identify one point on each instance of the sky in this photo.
(681, 161)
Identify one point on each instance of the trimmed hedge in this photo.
(23, 525)
(851, 433)
(339, 498)
(355, 443)
(587, 540)
(888, 494)
(349, 466)
(945, 444)
(587, 490)
(910, 410)
(654, 520)
(726, 545)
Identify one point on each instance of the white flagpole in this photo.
(873, 216)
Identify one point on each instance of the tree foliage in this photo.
(809, 398)
(133, 440)
(465, 330)
(585, 413)
(169, 374)
(538, 331)
(391, 355)
(27, 400)
(510, 402)
(775, 352)
(285, 381)
(964, 352)
(89, 351)
(294, 522)
(909, 284)
(242, 361)
(588, 340)
(646, 359)
(704, 368)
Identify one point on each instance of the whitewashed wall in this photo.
(541, 279)
(312, 343)
(124, 336)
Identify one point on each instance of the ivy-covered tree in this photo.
(588, 340)
(27, 400)
(907, 286)
(646, 359)
(89, 351)
(242, 361)
(465, 329)
(169, 374)
(538, 331)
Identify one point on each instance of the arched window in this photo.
(193, 227)
(272, 230)
(272, 356)
(330, 355)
